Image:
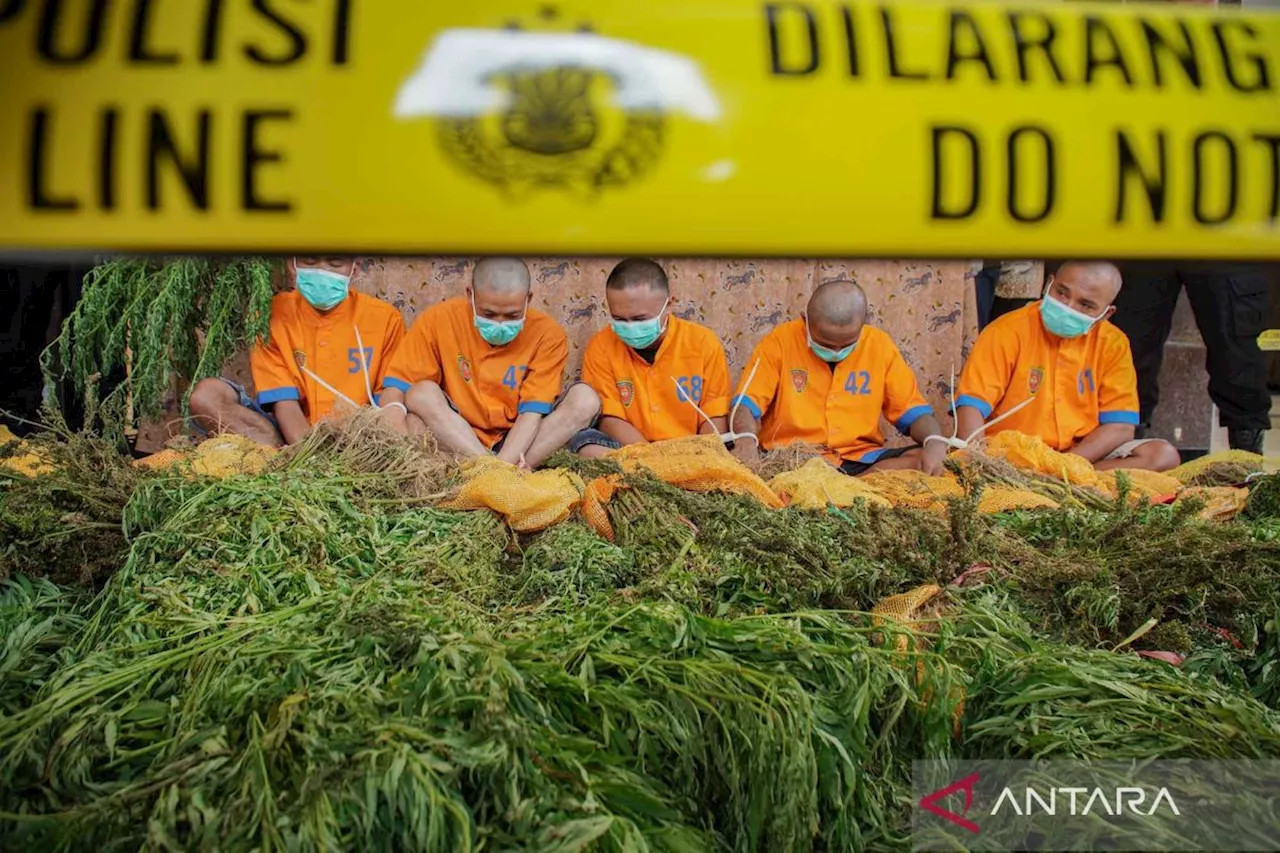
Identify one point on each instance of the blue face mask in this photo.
(639, 334)
(494, 332)
(323, 289)
(1063, 320)
(833, 356)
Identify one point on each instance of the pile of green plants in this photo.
(319, 658)
(66, 524)
(1098, 577)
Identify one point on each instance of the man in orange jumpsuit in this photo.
(1075, 367)
(329, 347)
(483, 374)
(826, 379)
(654, 371)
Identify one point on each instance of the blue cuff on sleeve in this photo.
(275, 395)
(751, 406)
(870, 456)
(536, 408)
(398, 384)
(1118, 417)
(983, 407)
(912, 415)
(377, 400)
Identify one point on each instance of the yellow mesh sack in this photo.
(903, 609)
(218, 457)
(1003, 499)
(915, 489)
(816, 484)
(29, 464)
(598, 494)
(527, 500)
(162, 460)
(905, 606)
(697, 463)
(1220, 502)
(1030, 453)
(229, 455)
(1188, 471)
(1142, 484)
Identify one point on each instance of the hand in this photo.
(932, 457)
(746, 451)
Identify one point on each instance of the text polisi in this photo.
(171, 153)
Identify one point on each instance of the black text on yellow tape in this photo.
(711, 127)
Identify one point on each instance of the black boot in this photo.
(1246, 439)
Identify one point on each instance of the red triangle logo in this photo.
(930, 802)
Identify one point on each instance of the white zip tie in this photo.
(688, 398)
(733, 413)
(980, 430)
(725, 437)
(334, 391)
(953, 441)
(959, 443)
(364, 367)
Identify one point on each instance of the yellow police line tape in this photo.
(777, 128)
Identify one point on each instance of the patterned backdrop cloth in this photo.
(927, 307)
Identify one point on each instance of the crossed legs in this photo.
(431, 411)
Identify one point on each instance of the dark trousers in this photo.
(34, 299)
(991, 306)
(985, 287)
(1230, 306)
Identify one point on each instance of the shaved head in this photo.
(1103, 274)
(500, 275)
(1087, 286)
(838, 303)
(836, 313)
(500, 288)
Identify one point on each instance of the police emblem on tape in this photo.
(523, 110)
(626, 392)
(464, 367)
(799, 379)
(1034, 379)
